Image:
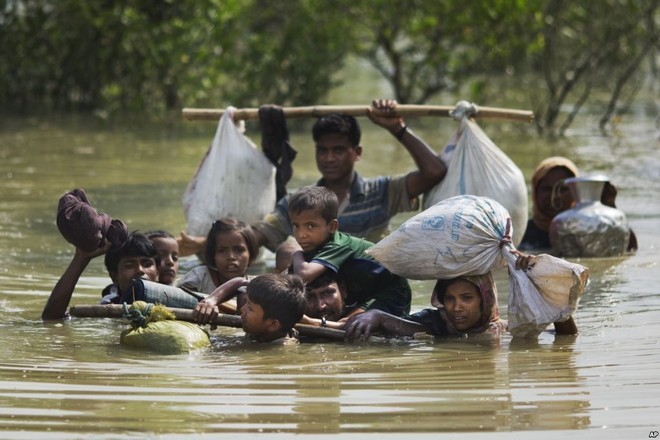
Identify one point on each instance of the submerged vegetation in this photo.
(161, 55)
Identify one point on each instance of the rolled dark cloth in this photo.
(275, 145)
(83, 226)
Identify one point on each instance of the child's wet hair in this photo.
(230, 224)
(315, 198)
(281, 296)
(338, 123)
(158, 233)
(136, 245)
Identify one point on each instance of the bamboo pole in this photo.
(117, 311)
(214, 114)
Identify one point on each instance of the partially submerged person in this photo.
(135, 258)
(366, 205)
(551, 197)
(168, 252)
(325, 302)
(322, 248)
(464, 306)
(274, 304)
(230, 249)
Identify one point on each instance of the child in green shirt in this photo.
(313, 211)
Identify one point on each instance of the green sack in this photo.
(154, 328)
(167, 337)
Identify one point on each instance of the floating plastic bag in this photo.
(153, 328)
(458, 236)
(542, 294)
(476, 166)
(234, 179)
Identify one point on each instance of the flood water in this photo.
(73, 379)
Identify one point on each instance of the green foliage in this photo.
(112, 55)
(590, 46)
(160, 55)
(424, 48)
(163, 54)
(286, 52)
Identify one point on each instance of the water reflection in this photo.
(547, 390)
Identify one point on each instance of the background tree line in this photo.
(160, 55)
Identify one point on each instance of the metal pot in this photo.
(590, 229)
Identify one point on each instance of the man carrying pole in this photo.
(366, 204)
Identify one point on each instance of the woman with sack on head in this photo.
(464, 306)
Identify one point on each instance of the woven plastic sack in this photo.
(542, 294)
(157, 293)
(476, 166)
(153, 328)
(167, 337)
(234, 179)
(458, 236)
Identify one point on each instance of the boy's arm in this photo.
(307, 271)
(362, 325)
(207, 309)
(320, 323)
(190, 244)
(59, 298)
(430, 168)
(193, 244)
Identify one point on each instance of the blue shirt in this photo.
(372, 202)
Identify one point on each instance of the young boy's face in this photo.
(253, 322)
(131, 267)
(168, 250)
(325, 301)
(310, 229)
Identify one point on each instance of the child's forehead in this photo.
(165, 242)
(307, 214)
(135, 257)
(233, 236)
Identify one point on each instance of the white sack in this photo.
(457, 236)
(234, 179)
(542, 294)
(475, 165)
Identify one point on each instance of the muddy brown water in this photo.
(73, 379)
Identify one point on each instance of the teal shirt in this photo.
(369, 285)
(341, 248)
